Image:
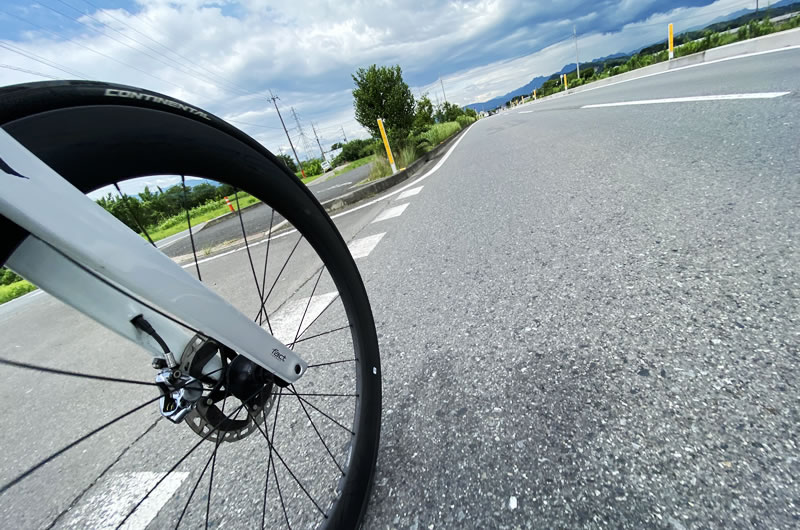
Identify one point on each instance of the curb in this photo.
(367, 190)
(375, 187)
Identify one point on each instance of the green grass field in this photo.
(177, 223)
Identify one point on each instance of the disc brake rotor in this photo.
(203, 358)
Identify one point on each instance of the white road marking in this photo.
(286, 322)
(340, 185)
(360, 248)
(389, 213)
(409, 193)
(430, 172)
(721, 97)
(107, 507)
(525, 111)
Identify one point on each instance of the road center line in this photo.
(360, 248)
(525, 111)
(389, 213)
(721, 97)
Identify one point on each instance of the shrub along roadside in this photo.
(15, 290)
(415, 146)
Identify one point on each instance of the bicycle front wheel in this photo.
(306, 456)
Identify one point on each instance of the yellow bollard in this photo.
(386, 144)
(565, 82)
(671, 44)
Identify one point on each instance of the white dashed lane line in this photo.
(119, 494)
(690, 99)
(360, 248)
(286, 322)
(389, 213)
(409, 193)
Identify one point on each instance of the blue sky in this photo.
(225, 56)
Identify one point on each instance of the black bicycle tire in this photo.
(92, 121)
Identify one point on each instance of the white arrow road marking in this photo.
(389, 213)
(108, 506)
(286, 321)
(360, 248)
(722, 97)
(409, 193)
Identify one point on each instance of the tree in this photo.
(423, 115)
(471, 113)
(381, 93)
(335, 146)
(288, 161)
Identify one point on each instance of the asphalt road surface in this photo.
(588, 318)
(255, 218)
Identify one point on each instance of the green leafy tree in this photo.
(423, 115)
(381, 93)
(288, 162)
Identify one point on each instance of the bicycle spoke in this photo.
(332, 362)
(308, 304)
(56, 371)
(130, 211)
(189, 222)
(298, 341)
(280, 495)
(269, 462)
(184, 457)
(69, 446)
(272, 449)
(322, 395)
(314, 426)
(316, 318)
(202, 473)
(214, 461)
(285, 263)
(324, 414)
(264, 275)
(194, 489)
(259, 289)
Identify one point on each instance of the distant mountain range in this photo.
(537, 82)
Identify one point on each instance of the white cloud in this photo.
(225, 56)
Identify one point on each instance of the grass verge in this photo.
(205, 212)
(354, 164)
(15, 290)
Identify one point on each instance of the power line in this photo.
(73, 41)
(179, 67)
(167, 47)
(10, 67)
(40, 59)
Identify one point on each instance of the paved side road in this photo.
(255, 218)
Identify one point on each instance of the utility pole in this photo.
(443, 93)
(343, 134)
(302, 132)
(577, 61)
(756, 6)
(322, 152)
(273, 98)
